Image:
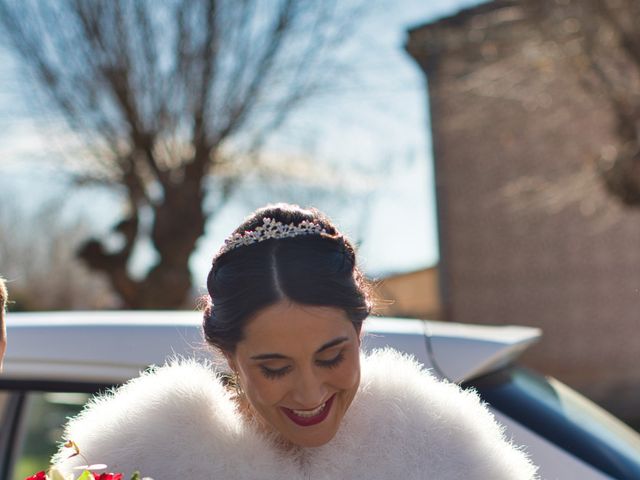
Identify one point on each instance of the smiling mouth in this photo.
(306, 418)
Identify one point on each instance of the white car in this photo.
(55, 361)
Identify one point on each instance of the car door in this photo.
(32, 415)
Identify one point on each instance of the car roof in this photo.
(109, 347)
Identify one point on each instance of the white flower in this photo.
(55, 474)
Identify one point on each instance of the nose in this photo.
(309, 389)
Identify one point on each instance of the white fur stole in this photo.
(178, 422)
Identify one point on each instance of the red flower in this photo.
(38, 476)
(107, 476)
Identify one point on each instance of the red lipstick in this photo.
(308, 421)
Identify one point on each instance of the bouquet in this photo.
(88, 471)
(54, 474)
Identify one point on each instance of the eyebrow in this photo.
(279, 356)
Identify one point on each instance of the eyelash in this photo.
(281, 372)
(273, 374)
(331, 363)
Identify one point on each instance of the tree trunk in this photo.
(179, 221)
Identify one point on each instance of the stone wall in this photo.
(527, 234)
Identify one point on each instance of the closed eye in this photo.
(274, 372)
(332, 362)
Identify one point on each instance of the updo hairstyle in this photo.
(314, 269)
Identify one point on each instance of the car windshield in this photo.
(564, 417)
(592, 418)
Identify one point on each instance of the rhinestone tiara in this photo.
(271, 229)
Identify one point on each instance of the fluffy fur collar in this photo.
(179, 422)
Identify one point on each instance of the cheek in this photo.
(261, 390)
(347, 376)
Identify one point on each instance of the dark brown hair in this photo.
(315, 269)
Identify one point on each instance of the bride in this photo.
(285, 307)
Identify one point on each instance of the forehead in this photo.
(287, 326)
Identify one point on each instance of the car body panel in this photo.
(104, 347)
(114, 346)
(462, 351)
(554, 463)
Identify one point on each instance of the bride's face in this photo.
(299, 368)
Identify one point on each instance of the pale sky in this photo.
(383, 123)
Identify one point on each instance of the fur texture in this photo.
(179, 422)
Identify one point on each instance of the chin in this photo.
(313, 430)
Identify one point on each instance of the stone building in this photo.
(412, 294)
(527, 234)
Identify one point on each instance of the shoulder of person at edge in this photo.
(3, 332)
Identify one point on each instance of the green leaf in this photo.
(86, 475)
(135, 476)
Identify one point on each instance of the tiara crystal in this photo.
(271, 229)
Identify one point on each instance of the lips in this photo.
(306, 418)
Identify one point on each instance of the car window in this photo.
(43, 417)
(564, 417)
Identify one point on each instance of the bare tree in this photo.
(172, 99)
(37, 258)
(601, 39)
